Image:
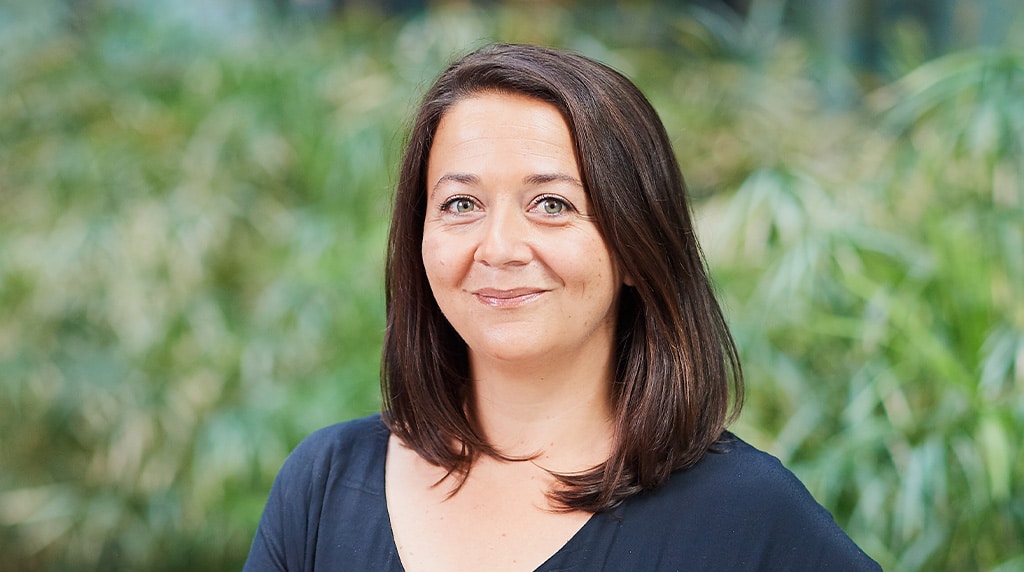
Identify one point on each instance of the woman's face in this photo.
(511, 251)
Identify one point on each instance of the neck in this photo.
(561, 414)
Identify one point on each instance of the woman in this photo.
(557, 374)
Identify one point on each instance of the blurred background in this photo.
(194, 201)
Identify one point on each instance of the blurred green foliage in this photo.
(193, 205)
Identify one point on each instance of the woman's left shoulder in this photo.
(741, 480)
(737, 470)
(744, 503)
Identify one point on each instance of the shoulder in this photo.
(331, 486)
(732, 474)
(744, 508)
(350, 440)
(351, 453)
(736, 472)
(749, 485)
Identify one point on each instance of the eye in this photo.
(552, 205)
(459, 205)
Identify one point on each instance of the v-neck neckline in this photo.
(380, 481)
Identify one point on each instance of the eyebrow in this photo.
(532, 180)
(463, 178)
(545, 178)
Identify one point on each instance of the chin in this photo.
(509, 350)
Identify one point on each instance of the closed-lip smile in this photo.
(499, 298)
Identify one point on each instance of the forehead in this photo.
(515, 113)
(511, 126)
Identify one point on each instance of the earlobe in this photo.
(627, 279)
(624, 276)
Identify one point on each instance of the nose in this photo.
(504, 239)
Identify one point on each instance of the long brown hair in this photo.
(675, 359)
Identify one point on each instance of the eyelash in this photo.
(568, 207)
(446, 206)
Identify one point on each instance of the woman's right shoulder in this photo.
(330, 485)
(355, 444)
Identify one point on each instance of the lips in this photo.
(512, 298)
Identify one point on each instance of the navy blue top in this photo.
(736, 510)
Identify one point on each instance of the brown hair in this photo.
(675, 357)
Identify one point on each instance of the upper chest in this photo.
(500, 519)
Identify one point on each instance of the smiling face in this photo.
(511, 251)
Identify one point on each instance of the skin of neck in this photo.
(561, 413)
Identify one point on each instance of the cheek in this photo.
(436, 263)
(592, 263)
(433, 267)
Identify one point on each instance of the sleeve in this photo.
(801, 534)
(282, 541)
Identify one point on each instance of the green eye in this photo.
(463, 206)
(553, 206)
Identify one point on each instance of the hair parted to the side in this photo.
(677, 372)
